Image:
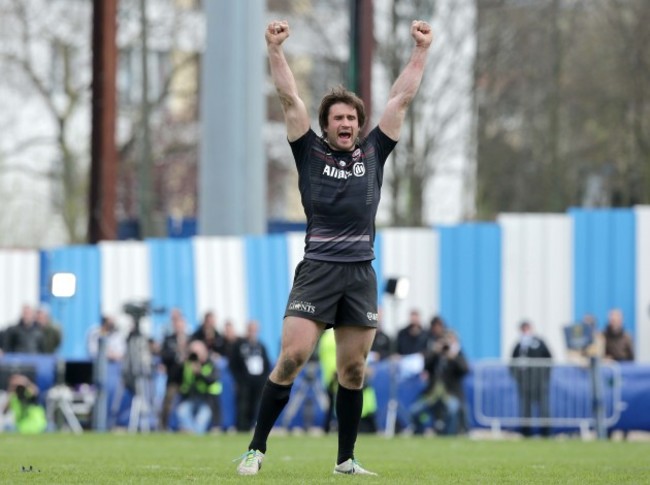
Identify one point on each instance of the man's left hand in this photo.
(421, 33)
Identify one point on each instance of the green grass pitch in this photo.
(160, 458)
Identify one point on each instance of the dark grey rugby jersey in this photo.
(340, 193)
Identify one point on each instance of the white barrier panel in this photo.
(537, 278)
(220, 272)
(642, 283)
(296, 251)
(125, 277)
(19, 284)
(414, 254)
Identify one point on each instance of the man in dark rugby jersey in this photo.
(335, 286)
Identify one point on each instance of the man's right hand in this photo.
(277, 32)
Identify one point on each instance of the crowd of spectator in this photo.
(192, 400)
(193, 383)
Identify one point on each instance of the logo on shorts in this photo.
(373, 317)
(302, 306)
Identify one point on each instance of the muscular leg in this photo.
(352, 347)
(299, 337)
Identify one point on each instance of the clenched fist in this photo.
(277, 32)
(421, 33)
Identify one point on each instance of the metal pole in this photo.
(103, 171)
(146, 163)
(597, 390)
(393, 369)
(232, 173)
(361, 52)
(100, 411)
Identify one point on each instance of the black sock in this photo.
(349, 403)
(274, 398)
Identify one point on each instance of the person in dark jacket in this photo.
(618, 343)
(533, 378)
(412, 338)
(52, 335)
(26, 336)
(250, 367)
(437, 329)
(173, 354)
(210, 336)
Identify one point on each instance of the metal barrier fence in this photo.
(537, 393)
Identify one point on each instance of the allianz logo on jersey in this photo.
(358, 170)
(302, 306)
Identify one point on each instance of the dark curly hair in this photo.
(340, 95)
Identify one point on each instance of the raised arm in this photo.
(295, 113)
(408, 82)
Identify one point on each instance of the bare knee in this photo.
(287, 368)
(351, 376)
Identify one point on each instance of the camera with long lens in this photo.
(193, 357)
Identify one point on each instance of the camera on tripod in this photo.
(137, 310)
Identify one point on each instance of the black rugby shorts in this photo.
(334, 293)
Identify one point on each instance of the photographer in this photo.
(443, 398)
(29, 416)
(200, 389)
